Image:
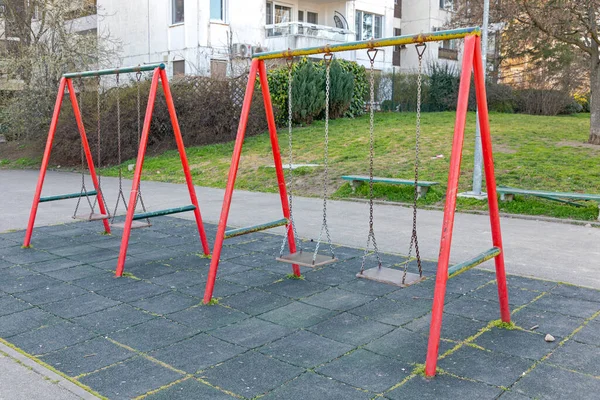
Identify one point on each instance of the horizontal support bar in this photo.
(115, 71)
(167, 211)
(255, 228)
(472, 263)
(373, 43)
(67, 196)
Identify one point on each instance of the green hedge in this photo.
(347, 93)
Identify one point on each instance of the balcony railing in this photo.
(328, 33)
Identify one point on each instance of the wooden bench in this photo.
(422, 186)
(508, 194)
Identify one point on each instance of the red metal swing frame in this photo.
(158, 73)
(472, 62)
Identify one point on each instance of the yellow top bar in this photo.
(373, 43)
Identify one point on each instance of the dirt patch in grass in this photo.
(580, 145)
(502, 148)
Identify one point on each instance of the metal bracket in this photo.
(374, 54)
(421, 47)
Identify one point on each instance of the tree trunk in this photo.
(595, 99)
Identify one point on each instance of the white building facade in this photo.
(212, 37)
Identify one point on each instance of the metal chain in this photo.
(98, 152)
(120, 196)
(138, 77)
(324, 228)
(414, 240)
(119, 126)
(83, 191)
(290, 169)
(371, 236)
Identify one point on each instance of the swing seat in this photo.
(306, 259)
(390, 276)
(134, 225)
(91, 217)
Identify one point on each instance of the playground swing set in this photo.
(471, 62)
(135, 197)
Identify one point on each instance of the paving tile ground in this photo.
(329, 336)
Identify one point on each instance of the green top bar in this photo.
(114, 71)
(373, 43)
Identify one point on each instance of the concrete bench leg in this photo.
(507, 197)
(355, 185)
(422, 191)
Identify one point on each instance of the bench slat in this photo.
(393, 181)
(541, 193)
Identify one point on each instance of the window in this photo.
(179, 68)
(448, 50)
(397, 9)
(177, 11)
(277, 14)
(368, 25)
(449, 44)
(397, 49)
(269, 13)
(217, 10)
(282, 14)
(447, 5)
(218, 69)
(311, 17)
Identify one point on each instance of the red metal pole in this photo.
(490, 180)
(88, 154)
(235, 161)
(264, 84)
(449, 210)
(45, 160)
(184, 161)
(137, 176)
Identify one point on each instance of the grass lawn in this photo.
(531, 152)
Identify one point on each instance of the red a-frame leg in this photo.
(64, 82)
(471, 60)
(490, 181)
(158, 74)
(256, 66)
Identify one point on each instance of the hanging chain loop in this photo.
(414, 242)
(290, 170)
(324, 228)
(421, 47)
(139, 198)
(98, 150)
(84, 191)
(371, 53)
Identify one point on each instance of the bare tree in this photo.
(560, 36)
(42, 40)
